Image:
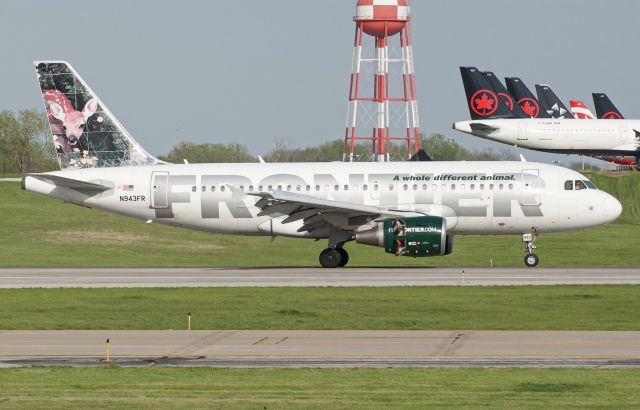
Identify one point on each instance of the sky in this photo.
(256, 71)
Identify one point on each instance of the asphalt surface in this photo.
(10, 179)
(287, 348)
(300, 277)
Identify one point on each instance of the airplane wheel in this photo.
(531, 260)
(330, 258)
(344, 256)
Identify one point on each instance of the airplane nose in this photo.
(612, 208)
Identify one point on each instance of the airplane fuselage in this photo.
(474, 197)
(593, 137)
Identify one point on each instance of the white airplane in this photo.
(409, 208)
(492, 120)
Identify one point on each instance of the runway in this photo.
(301, 277)
(288, 348)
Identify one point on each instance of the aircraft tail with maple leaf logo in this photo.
(525, 98)
(550, 102)
(482, 99)
(504, 94)
(605, 109)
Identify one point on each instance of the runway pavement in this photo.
(288, 348)
(10, 179)
(300, 277)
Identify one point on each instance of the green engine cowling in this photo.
(417, 237)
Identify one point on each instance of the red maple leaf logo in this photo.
(484, 103)
(529, 107)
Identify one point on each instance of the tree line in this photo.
(26, 146)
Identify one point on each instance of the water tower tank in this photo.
(378, 14)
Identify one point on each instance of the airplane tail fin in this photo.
(525, 98)
(85, 133)
(504, 94)
(581, 111)
(605, 109)
(483, 101)
(551, 103)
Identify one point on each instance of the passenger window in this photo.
(242, 188)
(510, 187)
(472, 187)
(193, 188)
(491, 187)
(250, 188)
(289, 188)
(501, 186)
(279, 187)
(336, 187)
(317, 187)
(298, 188)
(568, 186)
(425, 187)
(204, 189)
(222, 188)
(346, 187)
(390, 187)
(375, 187)
(270, 188)
(482, 187)
(365, 187)
(453, 187)
(308, 187)
(415, 187)
(405, 187)
(213, 189)
(580, 185)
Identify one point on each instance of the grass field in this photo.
(37, 231)
(62, 388)
(441, 308)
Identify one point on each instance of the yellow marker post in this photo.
(491, 262)
(189, 321)
(462, 276)
(108, 351)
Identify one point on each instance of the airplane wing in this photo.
(484, 128)
(317, 212)
(71, 183)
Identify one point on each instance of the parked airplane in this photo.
(409, 209)
(551, 103)
(580, 110)
(605, 109)
(559, 135)
(526, 100)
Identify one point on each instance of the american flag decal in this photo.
(127, 187)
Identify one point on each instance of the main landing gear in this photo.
(334, 257)
(531, 260)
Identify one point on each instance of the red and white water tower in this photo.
(382, 118)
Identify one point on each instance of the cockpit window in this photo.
(568, 186)
(590, 184)
(580, 185)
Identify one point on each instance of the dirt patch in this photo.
(95, 237)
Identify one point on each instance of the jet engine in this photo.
(416, 236)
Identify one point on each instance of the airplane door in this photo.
(531, 187)
(624, 131)
(522, 130)
(160, 190)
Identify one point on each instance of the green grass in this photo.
(396, 308)
(42, 232)
(58, 388)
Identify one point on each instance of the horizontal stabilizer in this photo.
(484, 128)
(71, 183)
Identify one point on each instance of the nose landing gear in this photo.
(531, 259)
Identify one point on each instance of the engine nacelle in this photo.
(416, 236)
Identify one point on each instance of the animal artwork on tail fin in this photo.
(85, 133)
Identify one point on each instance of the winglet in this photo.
(522, 158)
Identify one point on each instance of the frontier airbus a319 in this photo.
(409, 208)
(493, 120)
